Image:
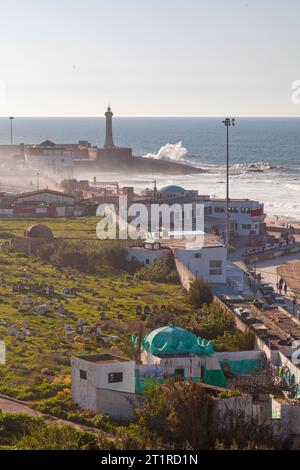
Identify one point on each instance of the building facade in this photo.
(246, 217)
(208, 262)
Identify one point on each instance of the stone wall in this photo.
(119, 405)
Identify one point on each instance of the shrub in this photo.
(162, 270)
(177, 408)
(6, 235)
(199, 293)
(235, 341)
(210, 325)
(22, 432)
(88, 256)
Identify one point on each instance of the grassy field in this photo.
(38, 359)
(77, 227)
(38, 348)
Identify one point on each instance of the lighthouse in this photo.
(109, 143)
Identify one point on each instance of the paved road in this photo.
(268, 270)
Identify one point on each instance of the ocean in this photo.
(200, 141)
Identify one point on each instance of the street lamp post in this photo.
(11, 129)
(227, 123)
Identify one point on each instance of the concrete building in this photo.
(208, 262)
(49, 158)
(246, 216)
(115, 386)
(105, 383)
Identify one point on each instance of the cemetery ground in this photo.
(49, 313)
(73, 228)
(40, 329)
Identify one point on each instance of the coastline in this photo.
(280, 221)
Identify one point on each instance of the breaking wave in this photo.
(256, 166)
(175, 152)
(293, 187)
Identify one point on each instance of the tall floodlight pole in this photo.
(11, 129)
(227, 123)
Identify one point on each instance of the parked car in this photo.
(261, 330)
(266, 289)
(250, 319)
(278, 300)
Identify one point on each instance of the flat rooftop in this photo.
(210, 241)
(102, 358)
(224, 292)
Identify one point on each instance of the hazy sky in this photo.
(149, 57)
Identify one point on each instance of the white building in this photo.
(104, 383)
(246, 217)
(50, 159)
(115, 386)
(208, 262)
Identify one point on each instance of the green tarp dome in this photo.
(172, 340)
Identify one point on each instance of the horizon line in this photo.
(116, 116)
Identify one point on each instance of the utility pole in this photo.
(38, 180)
(227, 123)
(11, 129)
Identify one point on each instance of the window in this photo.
(215, 267)
(197, 255)
(114, 377)
(83, 374)
(179, 373)
(147, 261)
(246, 227)
(245, 210)
(219, 209)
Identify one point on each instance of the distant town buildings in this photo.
(62, 160)
(246, 216)
(44, 203)
(50, 158)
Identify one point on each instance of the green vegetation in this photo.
(162, 270)
(88, 256)
(236, 341)
(72, 228)
(109, 295)
(179, 415)
(199, 294)
(210, 322)
(38, 362)
(21, 432)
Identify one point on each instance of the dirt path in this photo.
(12, 406)
(9, 405)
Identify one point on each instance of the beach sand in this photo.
(291, 274)
(282, 221)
